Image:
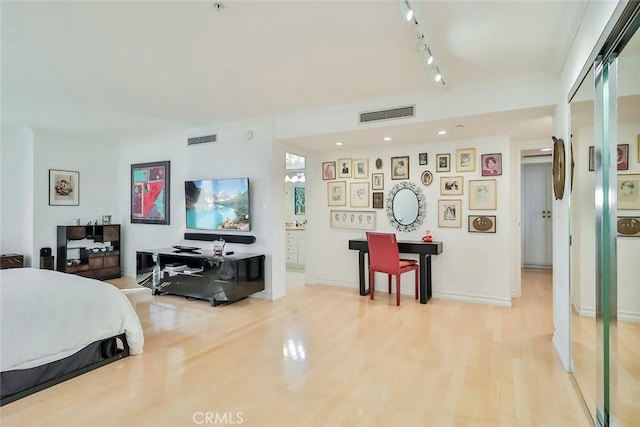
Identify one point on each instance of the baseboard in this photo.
(476, 299)
(565, 360)
(586, 312)
(629, 316)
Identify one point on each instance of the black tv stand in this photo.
(194, 275)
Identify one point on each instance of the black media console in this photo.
(196, 275)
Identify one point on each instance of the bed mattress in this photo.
(47, 315)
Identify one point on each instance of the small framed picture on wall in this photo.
(328, 170)
(450, 213)
(482, 223)
(377, 181)
(336, 193)
(623, 157)
(466, 160)
(344, 168)
(443, 162)
(361, 168)
(400, 167)
(378, 200)
(491, 164)
(482, 194)
(359, 192)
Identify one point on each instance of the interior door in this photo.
(537, 239)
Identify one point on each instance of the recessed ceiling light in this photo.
(442, 132)
(339, 143)
(545, 149)
(387, 138)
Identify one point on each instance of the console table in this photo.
(215, 279)
(424, 251)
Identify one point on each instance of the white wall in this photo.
(16, 192)
(233, 155)
(596, 16)
(98, 174)
(466, 270)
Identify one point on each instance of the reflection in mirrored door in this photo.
(625, 384)
(583, 244)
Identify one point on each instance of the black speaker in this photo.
(45, 252)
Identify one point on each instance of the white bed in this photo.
(47, 316)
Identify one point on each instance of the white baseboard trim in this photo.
(586, 312)
(563, 354)
(336, 283)
(629, 316)
(476, 299)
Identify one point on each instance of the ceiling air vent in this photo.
(202, 139)
(394, 113)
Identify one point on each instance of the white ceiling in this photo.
(126, 69)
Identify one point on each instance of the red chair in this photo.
(384, 257)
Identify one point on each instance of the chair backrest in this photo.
(383, 252)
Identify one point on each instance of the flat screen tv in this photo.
(218, 204)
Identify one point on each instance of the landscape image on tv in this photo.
(218, 204)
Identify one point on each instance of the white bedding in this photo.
(47, 315)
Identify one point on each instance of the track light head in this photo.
(438, 77)
(430, 58)
(422, 45)
(405, 11)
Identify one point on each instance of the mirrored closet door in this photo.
(605, 226)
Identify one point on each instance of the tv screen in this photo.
(218, 204)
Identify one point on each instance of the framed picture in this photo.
(336, 193)
(361, 168)
(443, 162)
(359, 220)
(400, 167)
(482, 194)
(150, 193)
(422, 158)
(629, 191)
(344, 168)
(629, 226)
(426, 178)
(482, 223)
(638, 149)
(328, 170)
(592, 158)
(64, 188)
(451, 185)
(466, 160)
(623, 157)
(377, 181)
(359, 192)
(298, 200)
(450, 213)
(491, 164)
(378, 200)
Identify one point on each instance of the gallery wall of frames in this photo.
(354, 187)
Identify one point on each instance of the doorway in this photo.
(295, 219)
(537, 247)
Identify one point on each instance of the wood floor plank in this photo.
(324, 356)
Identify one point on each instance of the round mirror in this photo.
(406, 206)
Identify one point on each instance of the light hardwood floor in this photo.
(324, 356)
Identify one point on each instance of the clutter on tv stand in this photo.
(186, 248)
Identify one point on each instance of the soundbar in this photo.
(229, 238)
